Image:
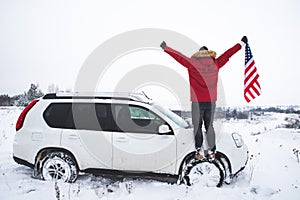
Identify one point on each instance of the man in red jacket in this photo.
(203, 68)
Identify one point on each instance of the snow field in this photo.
(273, 170)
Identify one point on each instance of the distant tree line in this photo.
(22, 99)
(250, 113)
(287, 110)
(35, 92)
(245, 113)
(228, 113)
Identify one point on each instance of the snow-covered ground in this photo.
(273, 171)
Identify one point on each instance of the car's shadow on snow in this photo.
(108, 177)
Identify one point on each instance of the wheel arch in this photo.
(43, 152)
(184, 160)
(222, 155)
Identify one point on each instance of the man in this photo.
(203, 68)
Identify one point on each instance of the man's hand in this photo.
(245, 39)
(163, 45)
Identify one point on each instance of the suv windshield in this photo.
(172, 116)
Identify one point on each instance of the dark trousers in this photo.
(203, 112)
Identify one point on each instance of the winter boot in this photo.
(199, 155)
(211, 155)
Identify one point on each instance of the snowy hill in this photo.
(273, 170)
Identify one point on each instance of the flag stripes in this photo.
(251, 85)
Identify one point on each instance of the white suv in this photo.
(60, 135)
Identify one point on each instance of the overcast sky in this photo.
(47, 42)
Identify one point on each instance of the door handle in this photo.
(73, 136)
(122, 139)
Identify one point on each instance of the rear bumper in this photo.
(23, 162)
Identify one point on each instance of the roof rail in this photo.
(141, 97)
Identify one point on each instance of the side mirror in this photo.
(163, 129)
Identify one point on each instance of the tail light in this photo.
(22, 116)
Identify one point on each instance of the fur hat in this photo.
(204, 52)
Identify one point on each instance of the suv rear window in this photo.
(86, 116)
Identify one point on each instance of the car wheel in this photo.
(59, 166)
(206, 173)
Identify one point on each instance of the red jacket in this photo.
(203, 71)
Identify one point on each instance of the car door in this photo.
(88, 134)
(137, 145)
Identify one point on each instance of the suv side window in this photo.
(140, 113)
(104, 117)
(136, 119)
(57, 114)
(83, 116)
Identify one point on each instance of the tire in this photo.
(59, 166)
(206, 173)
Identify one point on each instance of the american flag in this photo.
(251, 85)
